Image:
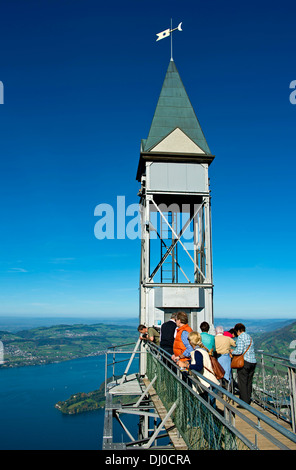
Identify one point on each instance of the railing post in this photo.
(292, 383)
(106, 371)
(263, 370)
(130, 361)
(113, 367)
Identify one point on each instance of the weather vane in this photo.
(166, 33)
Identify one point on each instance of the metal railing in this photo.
(205, 416)
(123, 349)
(201, 425)
(274, 386)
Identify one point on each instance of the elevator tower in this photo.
(175, 206)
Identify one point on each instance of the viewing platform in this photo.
(174, 416)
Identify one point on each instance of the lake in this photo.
(29, 420)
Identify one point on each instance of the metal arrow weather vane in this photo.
(166, 33)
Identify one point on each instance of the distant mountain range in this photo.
(254, 325)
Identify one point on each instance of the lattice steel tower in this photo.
(176, 251)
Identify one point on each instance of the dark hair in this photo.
(141, 327)
(204, 326)
(182, 316)
(239, 327)
(232, 331)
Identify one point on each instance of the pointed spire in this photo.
(174, 110)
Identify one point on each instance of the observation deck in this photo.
(175, 410)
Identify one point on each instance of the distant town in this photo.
(58, 343)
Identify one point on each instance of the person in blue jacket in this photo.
(208, 340)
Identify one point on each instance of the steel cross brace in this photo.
(145, 392)
(131, 411)
(160, 426)
(177, 239)
(168, 248)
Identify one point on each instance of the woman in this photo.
(200, 362)
(223, 345)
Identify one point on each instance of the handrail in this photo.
(164, 361)
(274, 386)
(119, 346)
(275, 356)
(156, 351)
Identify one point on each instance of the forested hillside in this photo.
(276, 342)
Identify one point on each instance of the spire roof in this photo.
(174, 110)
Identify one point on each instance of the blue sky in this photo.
(81, 82)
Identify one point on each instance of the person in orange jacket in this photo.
(182, 347)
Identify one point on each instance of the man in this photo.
(245, 344)
(149, 334)
(167, 334)
(207, 340)
(182, 347)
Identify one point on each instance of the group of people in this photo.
(192, 350)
